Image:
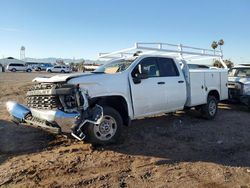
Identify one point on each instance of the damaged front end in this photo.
(57, 108)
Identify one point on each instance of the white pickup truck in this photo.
(95, 106)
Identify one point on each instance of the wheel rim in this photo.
(212, 108)
(106, 129)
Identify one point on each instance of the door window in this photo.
(168, 67)
(147, 66)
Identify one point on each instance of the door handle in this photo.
(181, 81)
(160, 83)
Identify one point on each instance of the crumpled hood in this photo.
(60, 77)
(95, 84)
(239, 79)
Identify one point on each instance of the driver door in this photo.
(149, 95)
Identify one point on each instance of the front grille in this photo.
(49, 96)
(43, 102)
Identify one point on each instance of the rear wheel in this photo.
(209, 110)
(28, 70)
(108, 131)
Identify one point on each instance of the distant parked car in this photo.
(43, 66)
(59, 68)
(239, 84)
(13, 67)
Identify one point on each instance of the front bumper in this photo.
(55, 121)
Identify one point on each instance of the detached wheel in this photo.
(210, 109)
(108, 131)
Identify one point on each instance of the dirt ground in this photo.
(178, 150)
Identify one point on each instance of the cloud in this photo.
(9, 29)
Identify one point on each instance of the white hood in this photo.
(59, 77)
(94, 83)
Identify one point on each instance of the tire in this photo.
(49, 71)
(95, 134)
(62, 71)
(39, 69)
(210, 109)
(13, 70)
(28, 70)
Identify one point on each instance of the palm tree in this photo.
(214, 45)
(221, 43)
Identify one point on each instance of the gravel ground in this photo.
(177, 150)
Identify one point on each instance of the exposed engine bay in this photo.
(47, 96)
(57, 108)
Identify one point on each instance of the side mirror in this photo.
(139, 77)
(142, 76)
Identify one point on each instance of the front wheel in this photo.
(108, 131)
(210, 109)
(50, 71)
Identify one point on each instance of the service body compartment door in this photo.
(196, 89)
(212, 81)
(223, 85)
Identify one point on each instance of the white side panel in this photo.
(212, 81)
(223, 86)
(175, 93)
(196, 91)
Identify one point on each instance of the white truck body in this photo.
(149, 98)
(136, 86)
(203, 81)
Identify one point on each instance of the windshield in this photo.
(114, 66)
(239, 72)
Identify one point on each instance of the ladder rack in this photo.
(178, 51)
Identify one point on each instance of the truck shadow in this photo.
(17, 140)
(184, 137)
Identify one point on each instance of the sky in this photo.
(83, 28)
